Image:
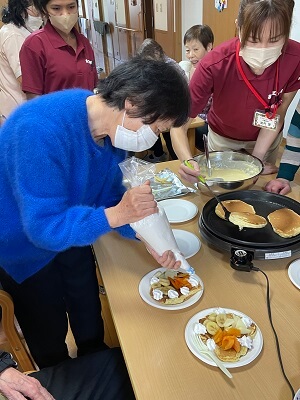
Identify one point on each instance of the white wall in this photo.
(192, 14)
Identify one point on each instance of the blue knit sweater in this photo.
(55, 182)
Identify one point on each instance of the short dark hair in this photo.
(155, 88)
(41, 5)
(203, 33)
(253, 14)
(16, 12)
(151, 50)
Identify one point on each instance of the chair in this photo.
(12, 338)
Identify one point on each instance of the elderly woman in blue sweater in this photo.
(61, 189)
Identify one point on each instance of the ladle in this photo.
(208, 163)
(202, 180)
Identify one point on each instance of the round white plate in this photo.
(248, 358)
(178, 210)
(294, 273)
(144, 290)
(188, 243)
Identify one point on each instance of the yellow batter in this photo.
(229, 175)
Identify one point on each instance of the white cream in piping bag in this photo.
(156, 231)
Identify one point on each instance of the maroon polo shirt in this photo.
(234, 105)
(49, 64)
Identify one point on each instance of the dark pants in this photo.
(98, 376)
(68, 284)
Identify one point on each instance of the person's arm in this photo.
(290, 160)
(182, 149)
(32, 68)
(266, 136)
(180, 141)
(16, 385)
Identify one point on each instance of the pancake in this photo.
(285, 222)
(247, 220)
(234, 206)
(181, 285)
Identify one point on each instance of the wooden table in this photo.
(152, 340)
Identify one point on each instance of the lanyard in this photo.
(270, 109)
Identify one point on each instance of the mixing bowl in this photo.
(232, 163)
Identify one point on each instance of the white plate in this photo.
(294, 273)
(178, 210)
(248, 358)
(144, 290)
(188, 243)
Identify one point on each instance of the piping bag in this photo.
(154, 229)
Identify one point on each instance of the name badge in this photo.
(262, 121)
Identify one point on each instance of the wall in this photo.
(191, 12)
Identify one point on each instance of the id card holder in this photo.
(262, 121)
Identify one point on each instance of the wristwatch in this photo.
(7, 361)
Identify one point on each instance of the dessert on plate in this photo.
(173, 287)
(229, 335)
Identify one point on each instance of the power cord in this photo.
(241, 260)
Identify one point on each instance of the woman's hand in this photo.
(190, 174)
(137, 203)
(167, 260)
(279, 186)
(17, 386)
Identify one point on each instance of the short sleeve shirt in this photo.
(49, 64)
(11, 40)
(233, 107)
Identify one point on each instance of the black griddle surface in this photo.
(264, 203)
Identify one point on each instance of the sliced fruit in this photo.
(221, 319)
(212, 327)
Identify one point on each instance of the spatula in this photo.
(202, 180)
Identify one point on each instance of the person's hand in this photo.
(279, 186)
(190, 174)
(269, 169)
(15, 385)
(167, 260)
(137, 203)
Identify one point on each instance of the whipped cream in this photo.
(157, 294)
(193, 281)
(246, 341)
(172, 294)
(154, 280)
(200, 329)
(185, 290)
(220, 310)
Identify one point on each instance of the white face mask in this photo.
(64, 23)
(139, 140)
(260, 58)
(33, 23)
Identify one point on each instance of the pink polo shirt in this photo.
(49, 64)
(233, 106)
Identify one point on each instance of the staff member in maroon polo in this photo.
(57, 57)
(253, 79)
